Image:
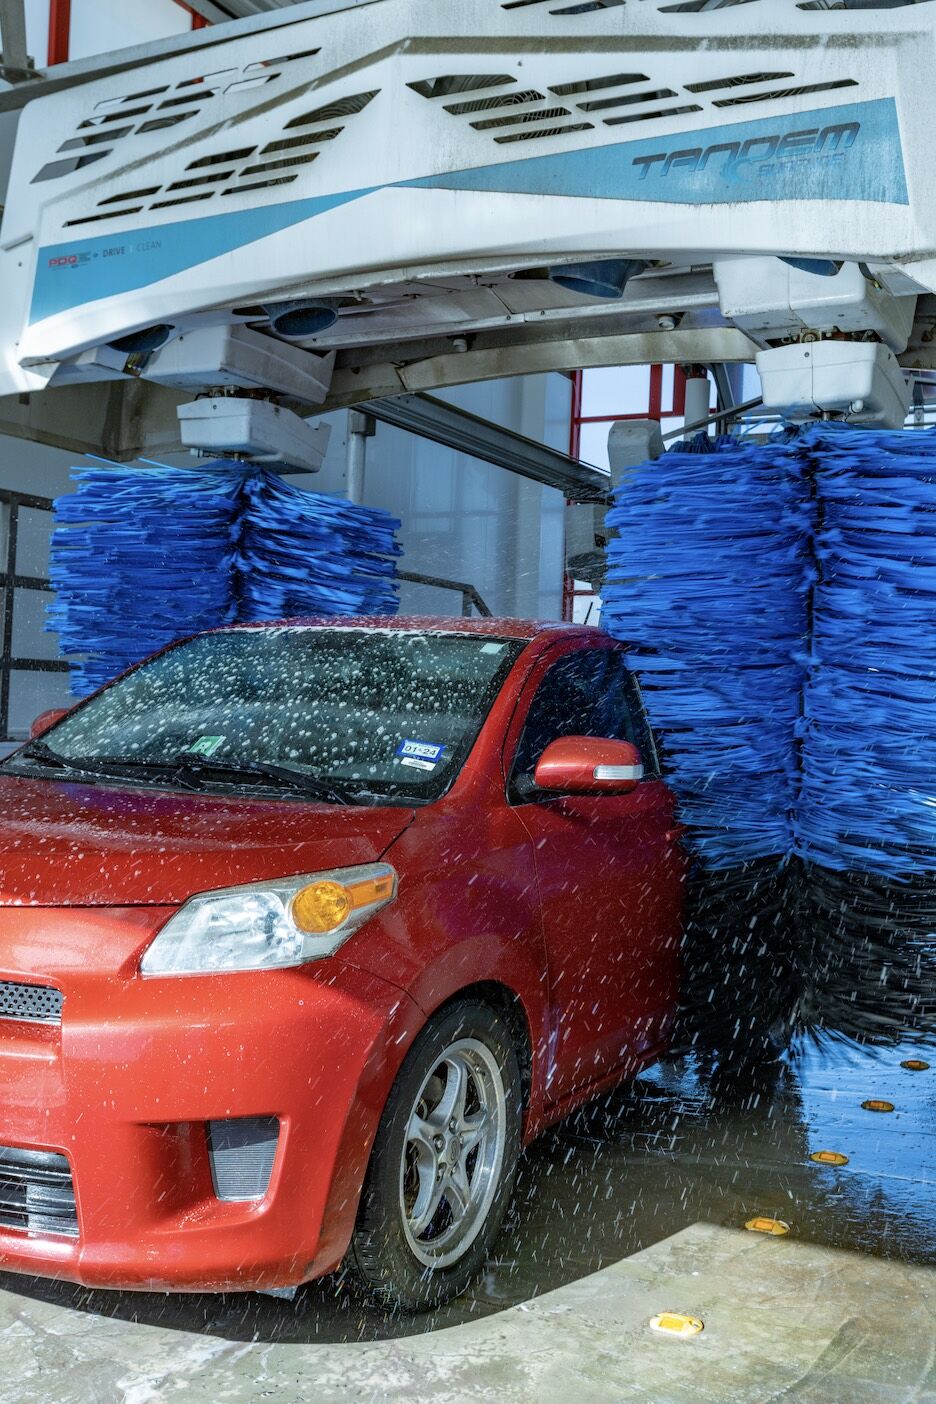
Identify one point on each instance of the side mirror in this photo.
(46, 720)
(585, 765)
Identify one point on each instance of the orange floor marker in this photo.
(673, 1323)
(774, 1226)
(829, 1158)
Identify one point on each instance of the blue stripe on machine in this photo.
(851, 152)
(69, 275)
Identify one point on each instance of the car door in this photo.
(610, 874)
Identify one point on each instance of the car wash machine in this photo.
(209, 241)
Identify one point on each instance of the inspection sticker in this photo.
(422, 755)
(206, 745)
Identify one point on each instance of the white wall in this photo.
(464, 519)
(99, 26)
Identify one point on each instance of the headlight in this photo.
(269, 925)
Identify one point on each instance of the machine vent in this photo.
(117, 121)
(777, 93)
(518, 114)
(486, 104)
(596, 85)
(738, 80)
(545, 132)
(241, 169)
(459, 83)
(651, 116)
(692, 7)
(626, 100)
(334, 111)
(541, 116)
(579, 7)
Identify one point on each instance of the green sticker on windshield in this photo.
(206, 745)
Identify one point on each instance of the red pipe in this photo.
(59, 31)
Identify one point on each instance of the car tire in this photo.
(443, 1163)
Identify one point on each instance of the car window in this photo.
(395, 709)
(590, 693)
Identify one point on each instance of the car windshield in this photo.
(387, 711)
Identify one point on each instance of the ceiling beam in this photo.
(467, 433)
(217, 11)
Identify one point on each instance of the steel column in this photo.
(13, 34)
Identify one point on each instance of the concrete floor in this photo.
(784, 1320)
(635, 1206)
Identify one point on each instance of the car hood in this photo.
(103, 845)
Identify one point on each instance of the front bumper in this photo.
(125, 1085)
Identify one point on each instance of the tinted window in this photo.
(584, 694)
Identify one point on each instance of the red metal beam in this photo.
(59, 31)
(198, 21)
(655, 407)
(575, 421)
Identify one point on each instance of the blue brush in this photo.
(142, 557)
(707, 571)
(868, 797)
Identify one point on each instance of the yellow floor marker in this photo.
(774, 1226)
(915, 1065)
(829, 1158)
(877, 1106)
(673, 1323)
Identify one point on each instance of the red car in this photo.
(305, 929)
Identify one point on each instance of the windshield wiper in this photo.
(110, 767)
(283, 776)
(188, 770)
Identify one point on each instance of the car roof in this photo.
(524, 629)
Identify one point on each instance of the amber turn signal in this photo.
(324, 906)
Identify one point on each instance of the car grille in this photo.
(39, 1003)
(36, 1193)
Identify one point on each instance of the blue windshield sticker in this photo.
(424, 751)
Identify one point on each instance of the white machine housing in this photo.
(427, 168)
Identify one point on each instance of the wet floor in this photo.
(684, 1144)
